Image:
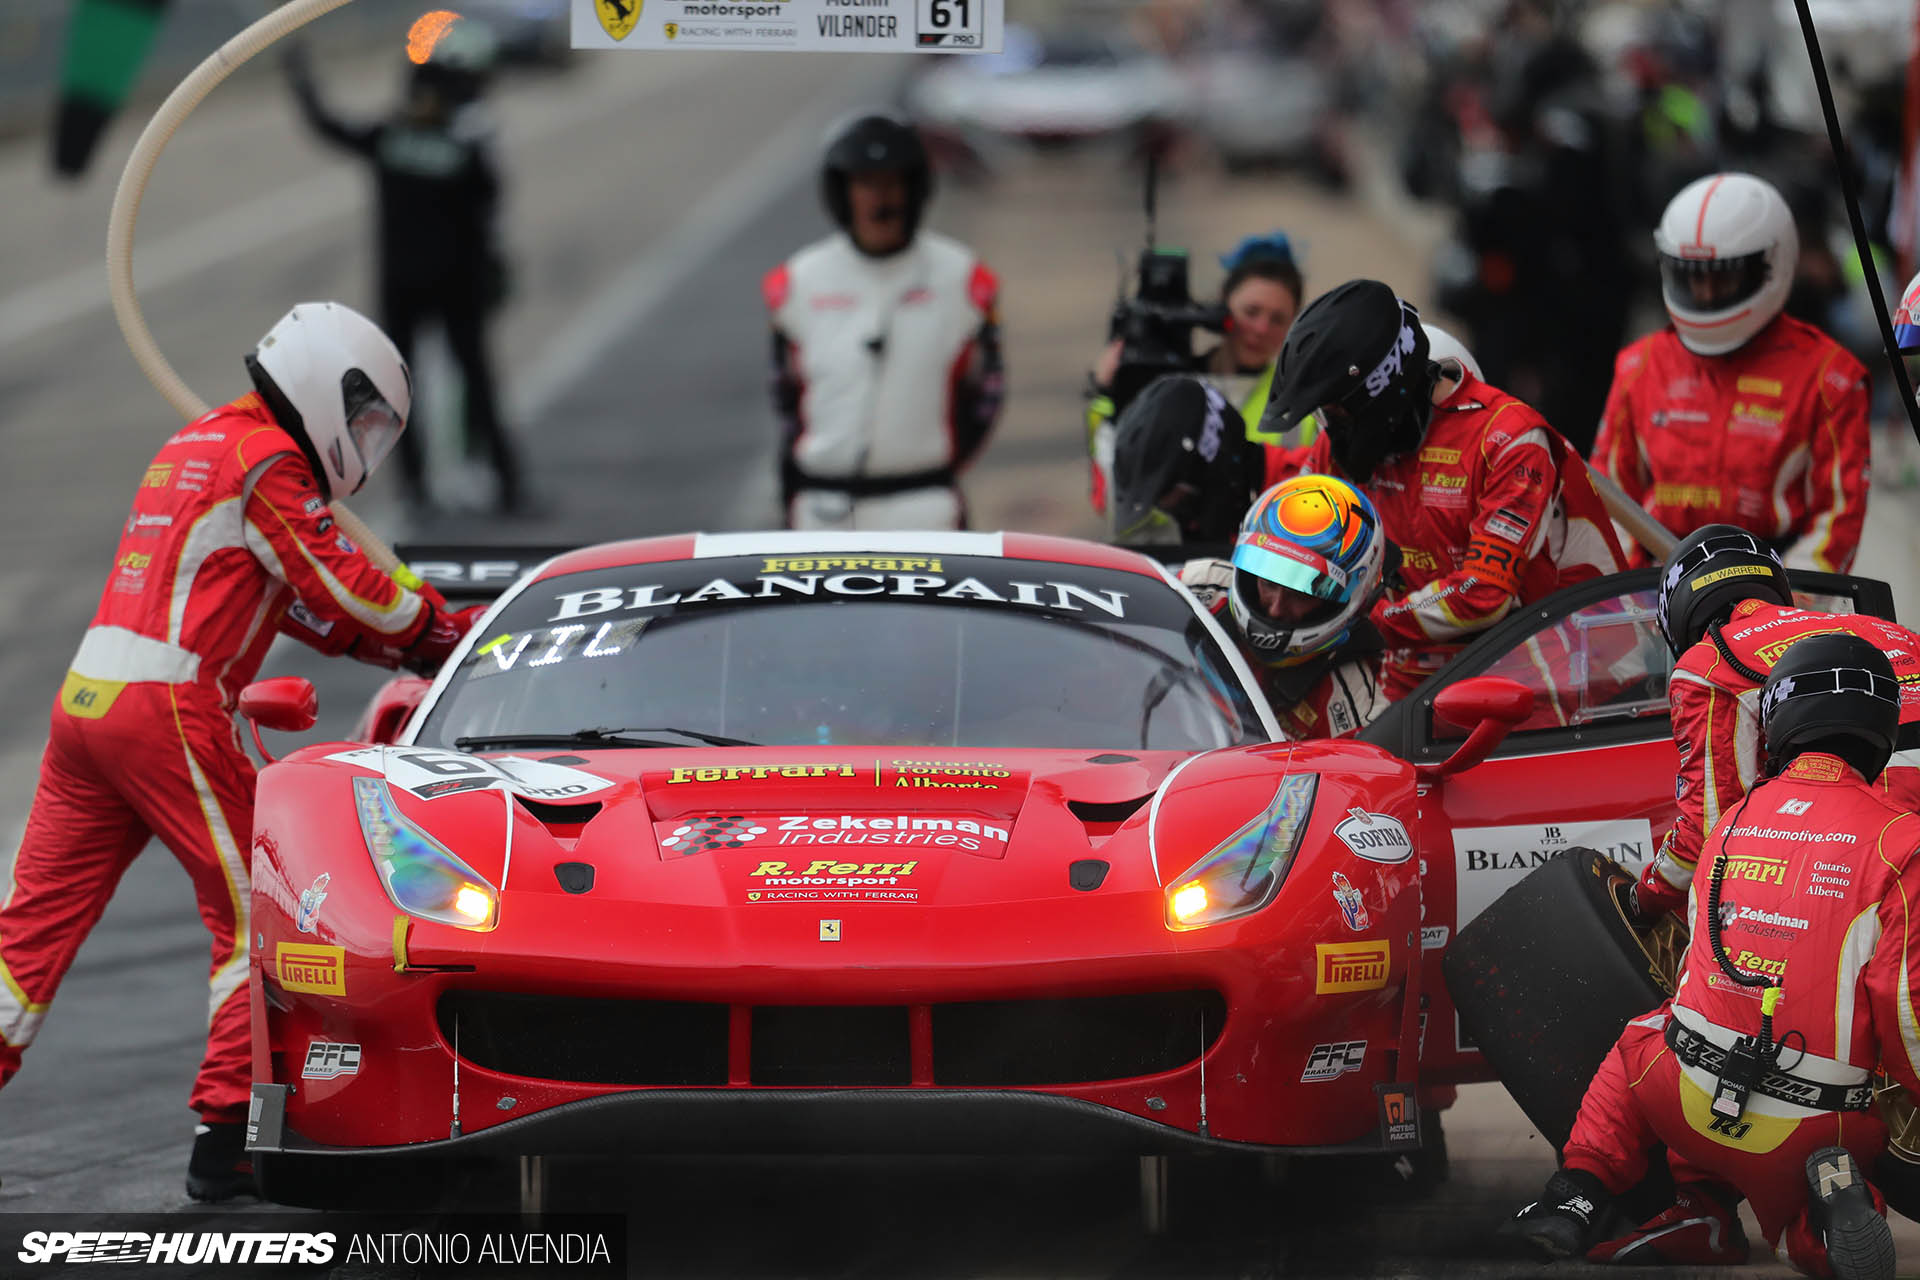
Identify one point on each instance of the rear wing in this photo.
(472, 573)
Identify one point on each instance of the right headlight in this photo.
(422, 876)
(1244, 873)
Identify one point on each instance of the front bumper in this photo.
(811, 1122)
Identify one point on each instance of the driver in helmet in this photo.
(1807, 941)
(230, 540)
(1183, 468)
(1738, 413)
(1308, 564)
(1727, 612)
(886, 347)
(1489, 506)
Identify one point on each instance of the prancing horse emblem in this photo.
(617, 16)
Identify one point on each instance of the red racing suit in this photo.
(1716, 726)
(1771, 437)
(228, 541)
(1494, 509)
(1821, 892)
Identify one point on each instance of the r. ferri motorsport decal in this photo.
(429, 773)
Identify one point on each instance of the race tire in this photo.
(1546, 978)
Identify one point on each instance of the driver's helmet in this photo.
(1315, 545)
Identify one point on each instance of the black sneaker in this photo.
(1568, 1219)
(1840, 1204)
(220, 1167)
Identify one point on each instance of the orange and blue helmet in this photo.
(1319, 539)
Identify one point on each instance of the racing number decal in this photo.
(950, 24)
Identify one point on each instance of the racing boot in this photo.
(220, 1167)
(1565, 1221)
(1848, 1217)
(1702, 1229)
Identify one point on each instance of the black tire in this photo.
(1546, 978)
(398, 1183)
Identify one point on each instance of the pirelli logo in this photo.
(311, 967)
(1351, 966)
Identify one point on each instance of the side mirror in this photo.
(285, 703)
(1488, 707)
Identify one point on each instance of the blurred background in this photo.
(1501, 163)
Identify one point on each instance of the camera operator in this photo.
(1153, 336)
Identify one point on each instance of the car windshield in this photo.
(945, 651)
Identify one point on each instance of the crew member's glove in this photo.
(439, 638)
(1209, 580)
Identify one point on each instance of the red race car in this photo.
(904, 842)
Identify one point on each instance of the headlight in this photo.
(422, 877)
(1244, 873)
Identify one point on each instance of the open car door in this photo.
(1592, 766)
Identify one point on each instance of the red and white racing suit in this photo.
(228, 541)
(1771, 437)
(1330, 696)
(1494, 509)
(886, 380)
(1821, 892)
(1716, 725)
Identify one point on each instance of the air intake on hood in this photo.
(1114, 811)
(561, 815)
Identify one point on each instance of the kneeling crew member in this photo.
(1811, 923)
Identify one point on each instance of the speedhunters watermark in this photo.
(276, 1244)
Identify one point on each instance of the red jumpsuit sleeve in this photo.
(1837, 471)
(1507, 531)
(1616, 451)
(1715, 771)
(1893, 972)
(291, 531)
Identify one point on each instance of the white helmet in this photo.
(1442, 345)
(336, 384)
(1728, 248)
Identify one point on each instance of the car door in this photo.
(1593, 766)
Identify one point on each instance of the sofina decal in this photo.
(1374, 836)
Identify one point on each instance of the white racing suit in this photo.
(887, 379)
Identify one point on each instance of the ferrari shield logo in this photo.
(617, 16)
(673, 30)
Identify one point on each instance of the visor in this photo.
(373, 425)
(1712, 284)
(1831, 681)
(1291, 567)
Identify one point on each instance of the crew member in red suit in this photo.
(230, 541)
(1728, 615)
(1739, 414)
(1757, 1074)
(1489, 506)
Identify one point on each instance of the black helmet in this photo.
(1181, 459)
(1357, 359)
(1710, 571)
(1833, 692)
(872, 143)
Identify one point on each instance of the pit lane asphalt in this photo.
(647, 196)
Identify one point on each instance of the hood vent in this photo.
(1115, 811)
(561, 815)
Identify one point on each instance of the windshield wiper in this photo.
(600, 736)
